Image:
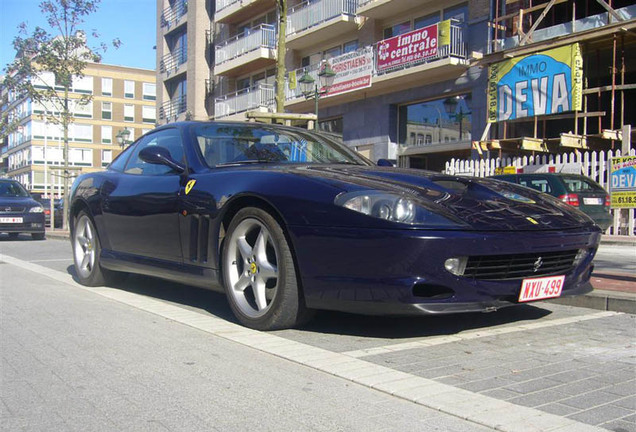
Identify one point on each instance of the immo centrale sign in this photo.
(548, 82)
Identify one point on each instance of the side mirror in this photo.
(158, 155)
(385, 163)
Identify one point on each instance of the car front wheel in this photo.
(259, 274)
(86, 255)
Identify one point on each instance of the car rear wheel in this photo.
(259, 274)
(13, 235)
(37, 236)
(86, 254)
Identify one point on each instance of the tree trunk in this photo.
(65, 174)
(280, 59)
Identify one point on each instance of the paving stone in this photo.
(539, 398)
(620, 426)
(558, 409)
(533, 385)
(602, 414)
(591, 399)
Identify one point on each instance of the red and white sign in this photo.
(407, 48)
(353, 71)
(541, 288)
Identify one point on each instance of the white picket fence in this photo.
(590, 164)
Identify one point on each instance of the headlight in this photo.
(391, 207)
(38, 209)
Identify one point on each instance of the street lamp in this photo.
(310, 89)
(122, 137)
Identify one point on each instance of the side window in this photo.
(539, 184)
(170, 139)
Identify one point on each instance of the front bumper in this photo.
(401, 272)
(31, 223)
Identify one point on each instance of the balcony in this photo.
(257, 97)
(448, 61)
(237, 11)
(387, 8)
(169, 64)
(312, 22)
(246, 52)
(507, 24)
(171, 15)
(171, 109)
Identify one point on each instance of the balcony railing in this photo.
(171, 62)
(456, 48)
(262, 36)
(260, 96)
(170, 110)
(171, 15)
(222, 4)
(364, 2)
(309, 14)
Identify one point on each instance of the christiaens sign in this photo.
(548, 82)
(353, 71)
(622, 176)
(407, 48)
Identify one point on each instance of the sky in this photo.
(132, 21)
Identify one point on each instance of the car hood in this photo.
(17, 202)
(470, 202)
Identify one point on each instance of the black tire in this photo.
(249, 269)
(13, 236)
(38, 236)
(87, 252)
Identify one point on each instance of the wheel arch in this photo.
(244, 201)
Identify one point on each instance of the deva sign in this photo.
(548, 82)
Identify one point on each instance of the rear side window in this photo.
(539, 184)
(581, 184)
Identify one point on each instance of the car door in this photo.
(140, 205)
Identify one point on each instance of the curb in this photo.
(602, 300)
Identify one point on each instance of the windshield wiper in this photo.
(243, 162)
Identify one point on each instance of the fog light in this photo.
(456, 266)
(580, 256)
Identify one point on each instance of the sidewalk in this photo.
(612, 291)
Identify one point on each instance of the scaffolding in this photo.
(606, 33)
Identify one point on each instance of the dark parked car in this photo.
(19, 213)
(57, 210)
(576, 190)
(286, 221)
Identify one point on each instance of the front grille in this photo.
(8, 209)
(519, 266)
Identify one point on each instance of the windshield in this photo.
(11, 189)
(581, 184)
(230, 144)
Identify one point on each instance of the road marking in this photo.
(474, 334)
(52, 260)
(473, 407)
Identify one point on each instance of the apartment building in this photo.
(123, 104)
(184, 53)
(412, 76)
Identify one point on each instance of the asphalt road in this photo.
(152, 355)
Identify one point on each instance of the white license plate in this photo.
(11, 220)
(592, 201)
(541, 288)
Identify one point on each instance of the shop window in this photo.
(436, 121)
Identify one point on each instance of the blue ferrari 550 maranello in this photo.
(287, 221)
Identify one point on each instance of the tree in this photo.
(64, 54)
(280, 59)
